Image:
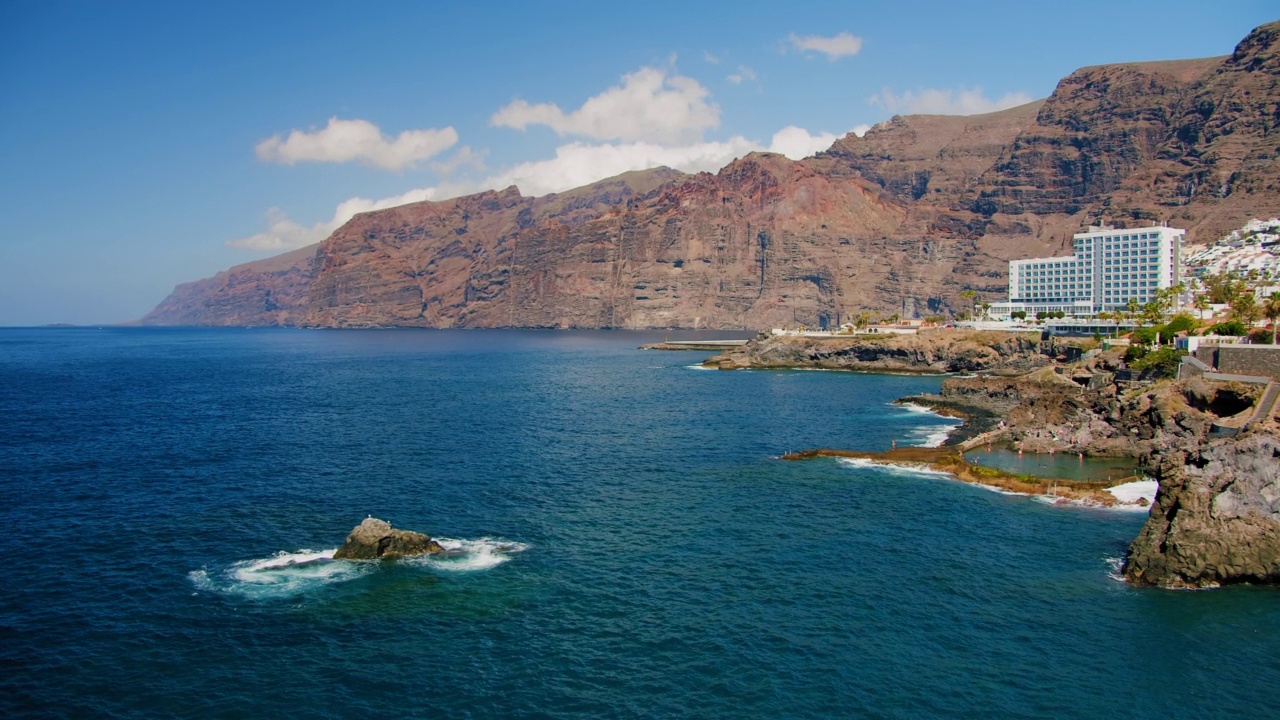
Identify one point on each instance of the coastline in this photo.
(951, 461)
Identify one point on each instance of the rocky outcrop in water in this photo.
(899, 220)
(375, 539)
(938, 351)
(1216, 518)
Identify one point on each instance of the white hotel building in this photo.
(1108, 268)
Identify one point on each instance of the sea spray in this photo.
(902, 469)
(469, 555)
(288, 574)
(281, 575)
(933, 434)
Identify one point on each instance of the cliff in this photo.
(1216, 518)
(266, 292)
(901, 220)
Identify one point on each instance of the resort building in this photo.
(1107, 269)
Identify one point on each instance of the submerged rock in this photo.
(374, 538)
(1216, 518)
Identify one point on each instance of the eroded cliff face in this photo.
(748, 246)
(898, 221)
(267, 292)
(1216, 518)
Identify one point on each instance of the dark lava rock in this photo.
(1216, 518)
(374, 539)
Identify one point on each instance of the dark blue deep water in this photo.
(630, 545)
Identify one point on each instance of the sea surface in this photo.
(628, 543)
(1065, 465)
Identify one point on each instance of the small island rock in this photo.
(374, 539)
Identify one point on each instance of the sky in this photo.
(147, 144)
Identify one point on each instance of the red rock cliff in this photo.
(899, 221)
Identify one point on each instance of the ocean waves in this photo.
(281, 575)
(469, 555)
(290, 574)
(900, 469)
(932, 434)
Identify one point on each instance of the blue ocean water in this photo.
(631, 546)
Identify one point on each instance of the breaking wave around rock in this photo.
(1115, 567)
(469, 555)
(934, 434)
(281, 575)
(287, 574)
(1131, 493)
(894, 468)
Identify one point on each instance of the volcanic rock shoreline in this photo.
(928, 353)
(1216, 516)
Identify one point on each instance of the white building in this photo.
(1106, 270)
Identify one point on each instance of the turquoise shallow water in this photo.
(663, 563)
(1068, 466)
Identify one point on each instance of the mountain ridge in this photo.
(900, 220)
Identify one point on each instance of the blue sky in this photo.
(151, 144)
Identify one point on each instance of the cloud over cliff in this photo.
(343, 141)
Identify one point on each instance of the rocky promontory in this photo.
(375, 539)
(1044, 411)
(1216, 518)
(932, 352)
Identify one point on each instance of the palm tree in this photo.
(1131, 309)
(1201, 303)
(970, 295)
(1271, 308)
(1245, 308)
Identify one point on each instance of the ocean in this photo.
(629, 543)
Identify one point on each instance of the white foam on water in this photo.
(1130, 493)
(699, 367)
(912, 407)
(932, 437)
(894, 468)
(281, 575)
(1060, 501)
(934, 434)
(1116, 565)
(469, 555)
(997, 490)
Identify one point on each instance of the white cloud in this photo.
(797, 143)
(284, 234)
(744, 74)
(356, 140)
(578, 164)
(860, 130)
(574, 165)
(834, 47)
(650, 105)
(932, 101)
(462, 157)
(710, 58)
